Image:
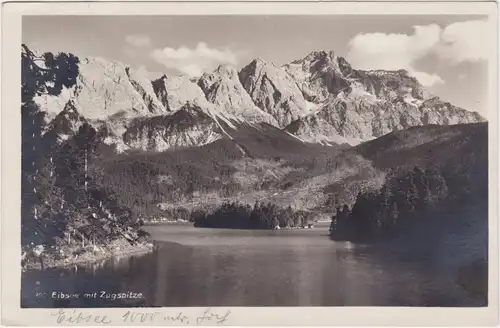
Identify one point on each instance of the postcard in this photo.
(249, 163)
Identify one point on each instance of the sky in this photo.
(445, 53)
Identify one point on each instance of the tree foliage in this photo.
(260, 216)
(47, 73)
(404, 195)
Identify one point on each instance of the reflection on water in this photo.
(204, 267)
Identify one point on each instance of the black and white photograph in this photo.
(254, 161)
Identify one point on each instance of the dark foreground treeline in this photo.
(411, 200)
(260, 216)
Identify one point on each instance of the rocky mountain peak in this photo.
(317, 61)
(358, 105)
(101, 89)
(344, 66)
(256, 67)
(273, 91)
(224, 89)
(314, 56)
(319, 75)
(258, 63)
(226, 71)
(174, 91)
(259, 60)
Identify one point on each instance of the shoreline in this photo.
(88, 257)
(319, 225)
(78, 256)
(166, 222)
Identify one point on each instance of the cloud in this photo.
(427, 79)
(138, 40)
(457, 42)
(194, 62)
(464, 41)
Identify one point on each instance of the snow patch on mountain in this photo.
(311, 108)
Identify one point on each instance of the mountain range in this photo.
(317, 99)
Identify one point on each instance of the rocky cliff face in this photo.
(355, 106)
(274, 91)
(322, 74)
(318, 75)
(319, 98)
(105, 89)
(133, 112)
(175, 91)
(105, 94)
(189, 126)
(223, 89)
(357, 121)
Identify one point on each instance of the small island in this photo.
(236, 215)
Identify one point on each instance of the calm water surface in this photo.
(207, 267)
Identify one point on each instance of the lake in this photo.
(216, 267)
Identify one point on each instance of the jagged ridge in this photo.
(319, 99)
